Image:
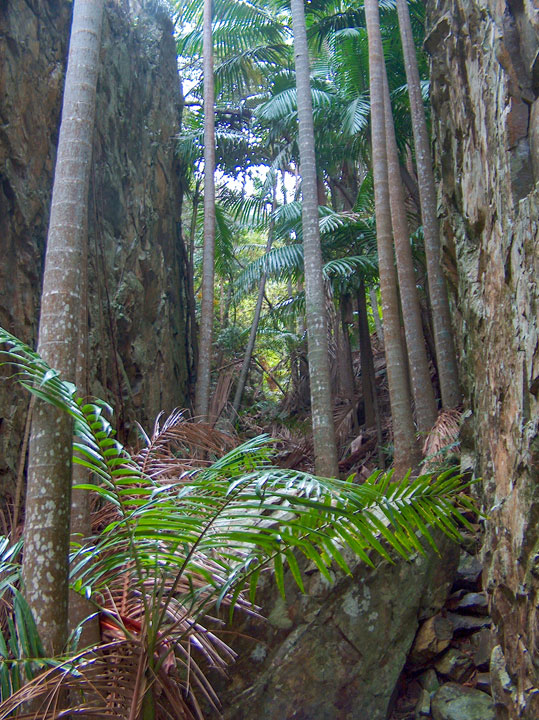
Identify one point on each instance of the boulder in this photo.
(468, 572)
(429, 680)
(457, 702)
(433, 638)
(337, 652)
(482, 646)
(454, 665)
(464, 624)
(473, 603)
(422, 709)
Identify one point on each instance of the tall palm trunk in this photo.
(346, 364)
(425, 403)
(193, 335)
(202, 393)
(405, 446)
(47, 523)
(368, 374)
(256, 318)
(376, 313)
(443, 334)
(325, 450)
(80, 607)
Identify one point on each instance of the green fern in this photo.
(188, 543)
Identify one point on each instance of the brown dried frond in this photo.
(179, 444)
(220, 397)
(106, 674)
(344, 419)
(443, 435)
(294, 452)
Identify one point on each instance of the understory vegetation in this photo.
(181, 534)
(323, 427)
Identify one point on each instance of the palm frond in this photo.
(282, 262)
(185, 547)
(356, 117)
(284, 104)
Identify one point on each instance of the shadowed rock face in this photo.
(138, 347)
(484, 88)
(335, 653)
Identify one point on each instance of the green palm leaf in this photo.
(188, 542)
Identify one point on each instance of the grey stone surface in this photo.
(464, 624)
(429, 680)
(422, 709)
(484, 117)
(474, 603)
(334, 653)
(457, 702)
(138, 345)
(454, 665)
(469, 572)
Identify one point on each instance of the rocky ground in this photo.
(446, 676)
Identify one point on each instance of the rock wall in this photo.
(335, 652)
(139, 351)
(484, 86)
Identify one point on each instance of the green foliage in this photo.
(185, 543)
(22, 655)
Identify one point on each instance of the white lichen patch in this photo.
(357, 601)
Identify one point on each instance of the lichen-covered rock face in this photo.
(138, 347)
(336, 652)
(484, 87)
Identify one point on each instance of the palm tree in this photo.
(172, 554)
(242, 39)
(202, 393)
(45, 569)
(423, 393)
(325, 449)
(406, 451)
(441, 318)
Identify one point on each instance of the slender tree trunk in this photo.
(425, 403)
(190, 272)
(202, 393)
(81, 521)
(256, 318)
(443, 334)
(325, 450)
(405, 446)
(376, 314)
(47, 524)
(368, 374)
(345, 359)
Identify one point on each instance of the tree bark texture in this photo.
(321, 401)
(423, 393)
(79, 607)
(443, 333)
(202, 393)
(368, 373)
(373, 297)
(346, 365)
(193, 330)
(47, 523)
(405, 446)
